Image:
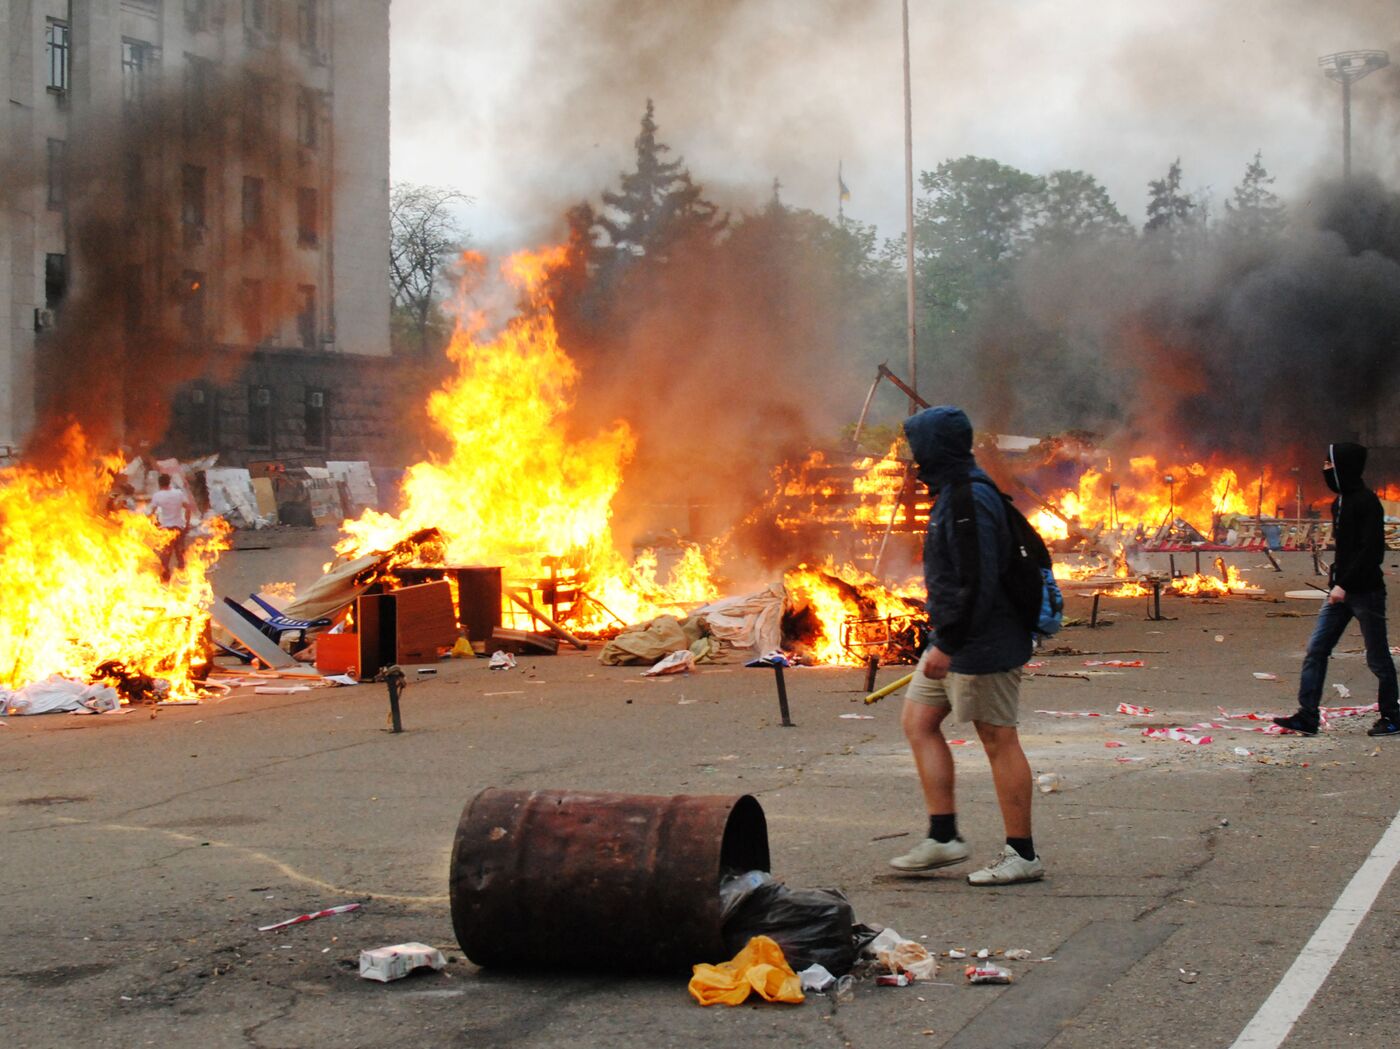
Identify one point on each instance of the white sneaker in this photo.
(929, 855)
(1009, 868)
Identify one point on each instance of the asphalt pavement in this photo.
(141, 852)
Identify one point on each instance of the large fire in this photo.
(516, 487)
(82, 585)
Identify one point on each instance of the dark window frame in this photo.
(308, 327)
(308, 216)
(57, 44)
(137, 59)
(308, 118)
(194, 200)
(316, 419)
(193, 317)
(55, 279)
(260, 416)
(254, 211)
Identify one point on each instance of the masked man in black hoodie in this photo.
(971, 670)
(1357, 591)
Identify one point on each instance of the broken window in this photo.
(306, 316)
(308, 25)
(55, 280)
(137, 60)
(56, 51)
(252, 204)
(57, 153)
(192, 198)
(192, 303)
(259, 416)
(308, 216)
(308, 117)
(316, 412)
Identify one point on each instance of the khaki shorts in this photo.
(993, 699)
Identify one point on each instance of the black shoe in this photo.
(1384, 727)
(1299, 723)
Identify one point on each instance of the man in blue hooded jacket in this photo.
(971, 670)
(1357, 591)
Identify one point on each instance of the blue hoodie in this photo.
(973, 620)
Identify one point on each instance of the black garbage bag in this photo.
(810, 925)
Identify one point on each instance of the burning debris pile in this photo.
(83, 597)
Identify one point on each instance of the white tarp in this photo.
(359, 484)
(57, 694)
(751, 621)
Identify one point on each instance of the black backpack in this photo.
(1029, 576)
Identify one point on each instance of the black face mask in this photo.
(1330, 476)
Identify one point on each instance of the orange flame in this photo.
(846, 596)
(516, 487)
(81, 585)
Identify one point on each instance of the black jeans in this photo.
(1369, 611)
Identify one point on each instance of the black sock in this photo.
(943, 828)
(1025, 848)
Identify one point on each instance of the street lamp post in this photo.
(1346, 68)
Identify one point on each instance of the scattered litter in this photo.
(987, 974)
(957, 743)
(1114, 663)
(1178, 734)
(341, 679)
(502, 660)
(1219, 637)
(1188, 975)
(1342, 691)
(344, 908)
(681, 662)
(1114, 743)
(1249, 715)
(1244, 752)
(894, 980)
(1017, 954)
(1070, 713)
(1262, 676)
(280, 690)
(426, 671)
(56, 694)
(396, 962)
(1127, 761)
(1034, 666)
(984, 953)
(1349, 712)
(1132, 710)
(901, 956)
(517, 692)
(1049, 783)
(856, 717)
(816, 978)
(772, 659)
(957, 953)
(845, 990)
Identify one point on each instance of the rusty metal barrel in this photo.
(557, 878)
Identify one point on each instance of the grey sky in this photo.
(532, 105)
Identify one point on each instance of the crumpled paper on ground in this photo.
(760, 967)
(898, 955)
(681, 662)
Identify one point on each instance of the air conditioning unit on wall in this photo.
(44, 320)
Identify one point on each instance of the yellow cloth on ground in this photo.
(760, 967)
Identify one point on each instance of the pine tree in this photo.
(658, 205)
(1255, 212)
(1169, 210)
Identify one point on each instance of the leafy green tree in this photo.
(1073, 207)
(1255, 212)
(424, 237)
(1169, 208)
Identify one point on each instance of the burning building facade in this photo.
(203, 205)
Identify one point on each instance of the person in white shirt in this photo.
(171, 509)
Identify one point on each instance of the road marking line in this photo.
(1282, 1009)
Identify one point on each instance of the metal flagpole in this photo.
(909, 215)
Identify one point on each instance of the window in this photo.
(252, 204)
(56, 51)
(307, 216)
(192, 197)
(259, 108)
(57, 153)
(260, 416)
(308, 25)
(196, 15)
(198, 418)
(199, 85)
(192, 293)
(55, 280)
(251, 310)
(306, 316)
(131, 186)
(308, 117)
(258, 25)
(132, 298)
(137, 61)
(316, 411)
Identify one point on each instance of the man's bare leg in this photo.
(1011, 773)
(923, 729)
